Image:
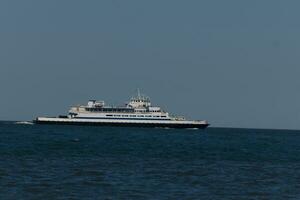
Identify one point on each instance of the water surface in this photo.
(72, 162)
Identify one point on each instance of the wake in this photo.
(24, 123)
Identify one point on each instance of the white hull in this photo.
(122, 122)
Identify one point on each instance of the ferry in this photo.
(137, 113)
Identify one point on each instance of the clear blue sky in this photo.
(234, 63)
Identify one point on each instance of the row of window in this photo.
(109, 109)
(147, 110)
(144, 101)
(130, 110)
(134, 116)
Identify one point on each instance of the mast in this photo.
(138, 93)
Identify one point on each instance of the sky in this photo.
(235, 63)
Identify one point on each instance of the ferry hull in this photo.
(123, 124)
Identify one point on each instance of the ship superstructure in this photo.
(137, 112)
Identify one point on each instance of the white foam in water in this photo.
(24, 122)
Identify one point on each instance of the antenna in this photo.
(139, 94)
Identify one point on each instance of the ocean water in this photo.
(71, 162)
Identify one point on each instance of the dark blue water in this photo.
(65, 162)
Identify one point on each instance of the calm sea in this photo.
(69, 162)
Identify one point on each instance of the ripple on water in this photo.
(62, 162)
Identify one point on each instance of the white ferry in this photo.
(137, 113)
